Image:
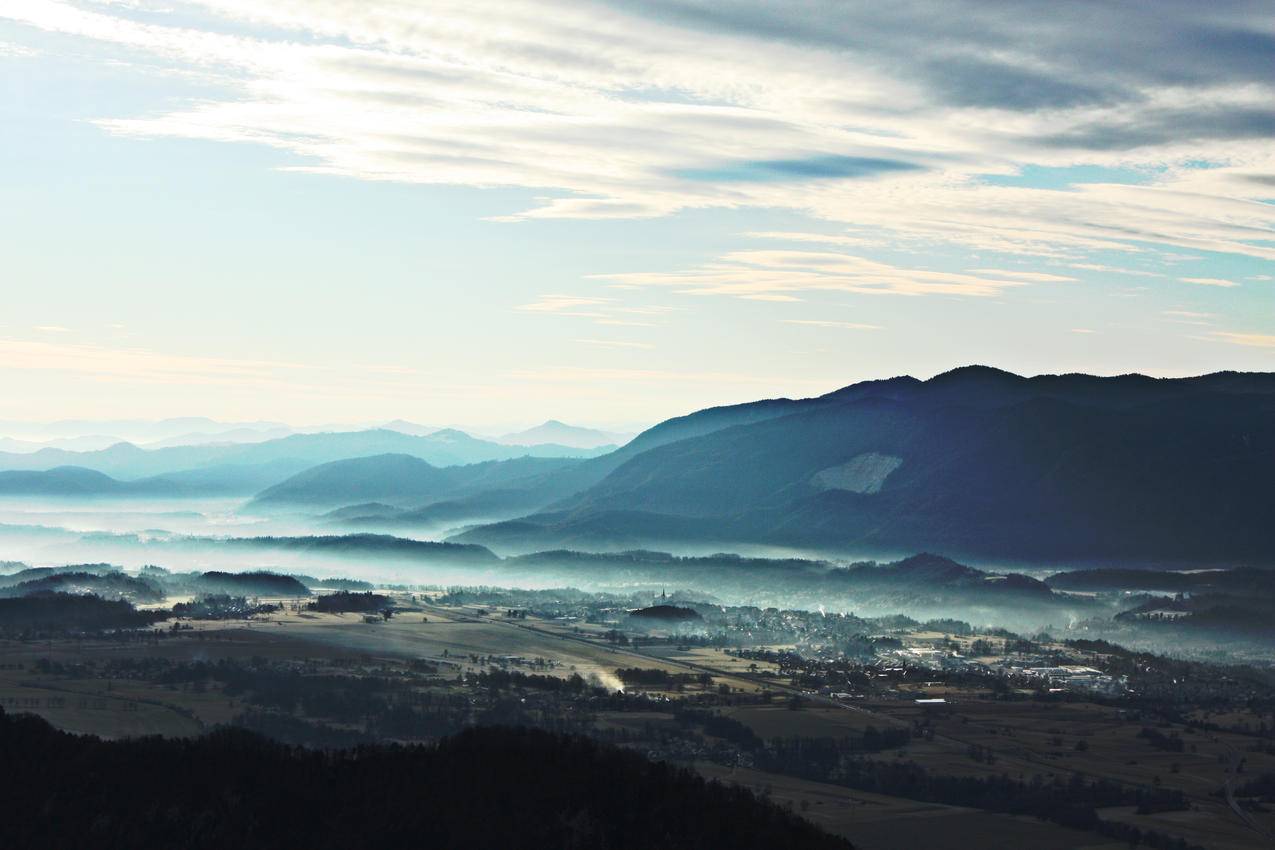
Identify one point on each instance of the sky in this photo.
(494, 213)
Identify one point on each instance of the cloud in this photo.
(138, 364)
(974, 81)
(787, 275)
(826, 167)
(821, 323)
(1170, 126)
(1209, 281)
(52, 329)
(16, 51)
(880, 119)
(1082, 331)
(614, 343)
(1247, 339)
(1030, 277)
(657, 377)
(601, 311)
(1189, 317)
(824, 238)
(567, 305)
(1099, 267)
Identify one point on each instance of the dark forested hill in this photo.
(508, 788)
(975, 462)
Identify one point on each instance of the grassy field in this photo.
(878, 822)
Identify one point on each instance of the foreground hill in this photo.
(975, 462)
(234, 789)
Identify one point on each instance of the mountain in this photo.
(219, 480)
(230, 479)
(110, 585)
(486, 506)
(401, 479)
(924, 586)
(388, 477)
(562, 484)
(233, 435)
(76, 481)
(363, 545)
(563, 434)
(976, 462)
(1236, 582)
(413, 428)
(87, 443)
(442, 448)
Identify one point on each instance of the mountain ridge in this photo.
(976, 461)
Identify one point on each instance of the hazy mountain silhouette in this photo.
(442, 448)
(974, 462)
(403, 426)
(401, 479)
(563, 434)
(77, 481)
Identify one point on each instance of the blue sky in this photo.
(496, 213)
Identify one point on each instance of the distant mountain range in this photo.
(249, 467)
(974, 462)
(77, 481)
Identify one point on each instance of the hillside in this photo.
(975, 462)
(404, 480)
(234, 789)
(77, 481)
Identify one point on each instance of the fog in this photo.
(229, 535)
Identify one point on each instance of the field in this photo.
(1023, 739)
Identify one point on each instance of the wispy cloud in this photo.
(1209, 281)
(1247, 339)
(137, 364)
(16, 51)
(1188, 317)
(1100, 267)
(1029, 277)
(821, 323)
(641, 110)
(658, 377)
(786, 275)
(566, 305)
(600, 311)
(614, 343)
(819, 238)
